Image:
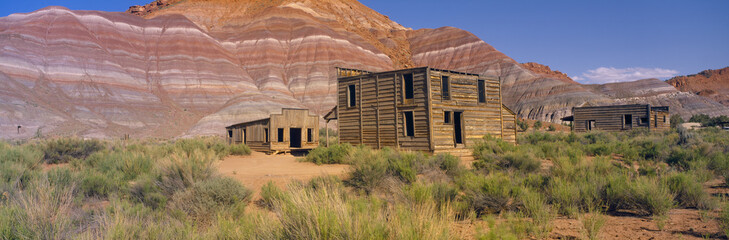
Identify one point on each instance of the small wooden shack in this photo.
(293, 129)
(423, 109)
(619, 118)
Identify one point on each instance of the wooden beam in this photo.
(377, 116)
(501, 110)
(397, 126)
(361, 131)
(429, 108)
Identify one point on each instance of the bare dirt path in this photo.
(258, 168)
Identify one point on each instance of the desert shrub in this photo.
(26, 156)
(538, 125)
(127, 163)
(334, 154)
(61, 177)
(676, 120)
(535, 206)
(333, 136)
(592, 221)
(680, 158)
(271, 193)
(206, 198)
(523, 125)
(651, 150)
(595, 137)
(64, 150)
(402, 164)
(688, 192)
(191, 145)
(645, 196)
(521, 161)
(96, 184)
(487, 194)
(239, 149)
(13, 174)
(599, 149)
(421, 221)
(551, 128)
(450, 164)
(146, 191)
(369, 169)
(491, 145)
(723, 219)
(127, 220)
(41, 212)
(180, 171)
(324, 214)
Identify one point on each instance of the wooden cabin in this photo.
(619, 118)
(292, 129)
(424, 109)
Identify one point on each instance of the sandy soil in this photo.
(257, 169)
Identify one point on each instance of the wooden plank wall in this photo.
(293, 118)
(256, 135)
(372, 121)
(609, 118)
(419, 106)
(509, 125)
(479, 118)
(660, 120)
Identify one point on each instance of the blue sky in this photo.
(591, 41)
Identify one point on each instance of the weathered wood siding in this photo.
(660, 120)
(479, 118)
(611, 118)
(376, 119)
(293, 118)
(418, 106)
(254, 134)
(509, 124)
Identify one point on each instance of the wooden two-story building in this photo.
(292, 129)
(423, 109)
(619, 118)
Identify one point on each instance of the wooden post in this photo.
(397, 126)
(428, 107)
(377, 117)
(501, 110)
(326, 127)
(361, 131)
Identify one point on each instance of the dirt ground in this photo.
(258, 168)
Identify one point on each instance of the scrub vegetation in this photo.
(88, 189)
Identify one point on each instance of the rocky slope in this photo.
(656, 92)
(713, 84)
(546, 71)
(192, 67)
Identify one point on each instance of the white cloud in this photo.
(611, 75)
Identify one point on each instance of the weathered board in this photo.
(262, 135)
(375, 109)
(619, 118)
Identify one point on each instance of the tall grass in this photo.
(147, 189)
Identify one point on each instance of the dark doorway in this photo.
(590, 125)
(458, 127)
(295, 137)
(627, 121)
